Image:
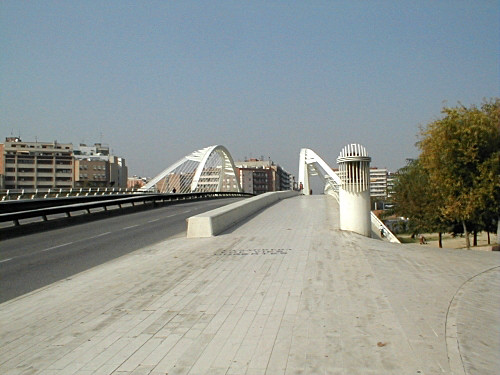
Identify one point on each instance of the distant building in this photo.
(95, 167)
(136, 182)
(31, 165)
(258, 176)
(378, 182)
(35, 165)
(391, 178)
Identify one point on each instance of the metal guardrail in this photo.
(17, 210)
(37, 203)
(20, 194)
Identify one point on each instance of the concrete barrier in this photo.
(211, 223)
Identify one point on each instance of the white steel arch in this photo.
(209, 169)
(310, 164)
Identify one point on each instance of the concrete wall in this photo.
(213, 222)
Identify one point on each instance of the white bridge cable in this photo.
(207, 170)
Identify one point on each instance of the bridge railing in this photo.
(19, 194)
(378, 225)
(25, 209)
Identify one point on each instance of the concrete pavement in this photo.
(285, 292)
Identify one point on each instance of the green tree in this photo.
(413, 197)
(461, 154)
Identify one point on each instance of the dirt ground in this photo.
(454, 243)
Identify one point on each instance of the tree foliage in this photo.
(456, 178)
(413, 198)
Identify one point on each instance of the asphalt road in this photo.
(35, 260)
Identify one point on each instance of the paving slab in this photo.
(285, 292)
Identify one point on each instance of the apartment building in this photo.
(259, 176)
(378, 182)
(43, 165)
(95, 167)
(31, 165)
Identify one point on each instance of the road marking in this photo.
(172, 215)
(99, 235)
(5, 260)
(152, 221)
(132, 226)
(55, 247)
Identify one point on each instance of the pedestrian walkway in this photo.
(286, 292)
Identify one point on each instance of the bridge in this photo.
(285, 291)
(212, 169)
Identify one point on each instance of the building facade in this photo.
(258, 176)
(378, 182)
(32, 165)
(45, 165)
(95, 167)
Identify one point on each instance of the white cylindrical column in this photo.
(354, 192)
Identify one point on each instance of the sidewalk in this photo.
(284, 293)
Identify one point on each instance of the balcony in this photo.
(25, 174)
(45, 162)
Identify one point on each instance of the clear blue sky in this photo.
(158, 79)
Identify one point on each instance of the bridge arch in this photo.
(311, 164)
(210, 169)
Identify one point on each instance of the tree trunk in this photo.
(488, 238)
(440, 240)
(475, 239)
(498, 231)
(466, 234)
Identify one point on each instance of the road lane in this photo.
(39, 259)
